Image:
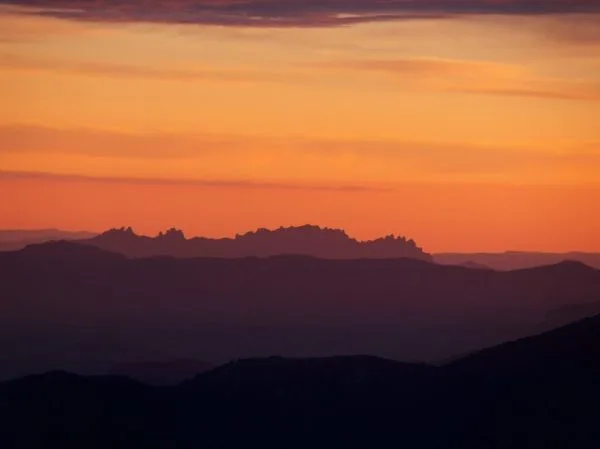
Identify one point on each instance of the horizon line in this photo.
(233, 236)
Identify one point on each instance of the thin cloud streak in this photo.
(477, 77)
(573, 30)
(281, 14)
(217, 183)
(357, 159)
(93, 68)
(100, 143)
(471, 77)
(554, 90)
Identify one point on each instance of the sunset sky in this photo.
(466, 125)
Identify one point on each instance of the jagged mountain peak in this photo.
(310, 240)
(172, 234)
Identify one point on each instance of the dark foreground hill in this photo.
(78, 308)
(304, 240)
(539, 392)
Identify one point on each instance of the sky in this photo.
(465, 125)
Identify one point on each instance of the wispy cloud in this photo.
(432, 68)
(256, 161)
(291, 13)
(111, 69)
(18, 25)
(23, 139)
(455, 158)
(477, 77)
(219, 183)
(573, 30)
(100, 143)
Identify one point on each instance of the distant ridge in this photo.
(15, 239)
(67, 250)
(307, 240)
(474, 265)
(516, 260)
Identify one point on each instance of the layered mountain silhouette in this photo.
(302, 240)
(537, 392)
(67, 305)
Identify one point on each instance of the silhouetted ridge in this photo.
(516, 260)
(569, 264)
(474, 265)
(13, 240)
(66, 250)
(575, 265)
(566, 267)
(343, 370)
(306, 240)
(161, 373)
(172, 234)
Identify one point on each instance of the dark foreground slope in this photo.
(78, 308)
(539, 392)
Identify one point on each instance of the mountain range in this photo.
(303, 240)
(306, 240)
(69, 305)
(537, 392)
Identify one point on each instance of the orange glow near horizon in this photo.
(439, 217)
(466, 134)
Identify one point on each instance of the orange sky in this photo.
(469, 133)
